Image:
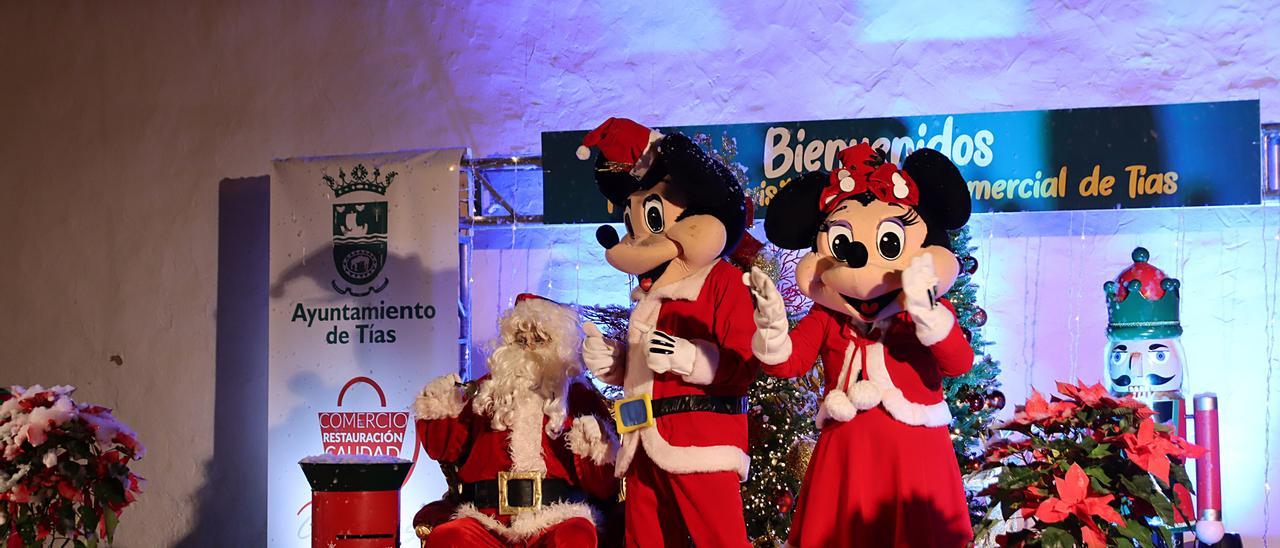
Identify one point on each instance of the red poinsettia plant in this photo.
(64, 468)
(1086, 469)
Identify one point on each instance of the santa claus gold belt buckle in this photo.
(504, 507)
(631, 414)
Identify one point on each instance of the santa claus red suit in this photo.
(686, 363)
(530, 446)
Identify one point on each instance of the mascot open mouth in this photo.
(647, 278)
(870, 307)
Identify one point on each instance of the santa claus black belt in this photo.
(639, 412)
(516, 492)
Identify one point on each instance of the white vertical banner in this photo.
(364, 311)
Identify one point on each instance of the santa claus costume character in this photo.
(530, 445)
(686, 363)
(883, 472)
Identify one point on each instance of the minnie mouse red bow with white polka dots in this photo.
(865, 169)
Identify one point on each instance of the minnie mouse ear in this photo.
(944, 196)
(793, 218)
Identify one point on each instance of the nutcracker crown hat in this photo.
(634, 157)
(1142, 303)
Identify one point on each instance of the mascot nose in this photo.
(852, 253)
(607, 236)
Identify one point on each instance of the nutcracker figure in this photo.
(1145, 360)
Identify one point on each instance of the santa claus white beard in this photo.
(519, 376)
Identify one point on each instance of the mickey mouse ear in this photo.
(944, 196)
(792, 218)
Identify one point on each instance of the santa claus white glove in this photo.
(919, 287)
(771, 344)
(440, 398)
(598, 353)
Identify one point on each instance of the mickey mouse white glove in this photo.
(696, 361)
(919, 287)
(771, 344)
(598, 353)
(665, 353)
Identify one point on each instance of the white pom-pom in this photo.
(900, 189)
(1210, 532)
(838, 406)
(583, 152)
(865, 395)
(847, 184)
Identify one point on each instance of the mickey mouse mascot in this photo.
(686, 363)
(883, 472)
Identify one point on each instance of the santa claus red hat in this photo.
(623, 142)
(532, 297)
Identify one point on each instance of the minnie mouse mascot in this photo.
(883, 472)
(686, 363)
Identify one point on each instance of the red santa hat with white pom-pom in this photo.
(624, 143)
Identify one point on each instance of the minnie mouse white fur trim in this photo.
(838, 406)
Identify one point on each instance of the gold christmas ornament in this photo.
(798, 457)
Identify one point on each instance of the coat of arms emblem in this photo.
(360, 231)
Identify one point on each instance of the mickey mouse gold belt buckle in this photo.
(635, 413)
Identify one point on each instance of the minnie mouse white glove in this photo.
(771, 344)
(919, 287)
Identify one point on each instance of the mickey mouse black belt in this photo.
(632, 414)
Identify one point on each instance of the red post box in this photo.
(355, 503)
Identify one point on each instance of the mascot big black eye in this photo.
(883, 472)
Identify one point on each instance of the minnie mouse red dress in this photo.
(887, 476)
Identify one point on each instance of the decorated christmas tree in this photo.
(974, 397)
(781, 431)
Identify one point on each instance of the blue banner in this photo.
(1181, 155)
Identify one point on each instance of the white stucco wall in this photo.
(122, 120)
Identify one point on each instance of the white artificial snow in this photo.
(328, 458)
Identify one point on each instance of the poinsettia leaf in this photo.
(1178, 473)
(1057, 537)
(1166, 535)
(1143, 487)
(1100, 450)
(111, 520)
(1097, 474)
(1135, 531)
